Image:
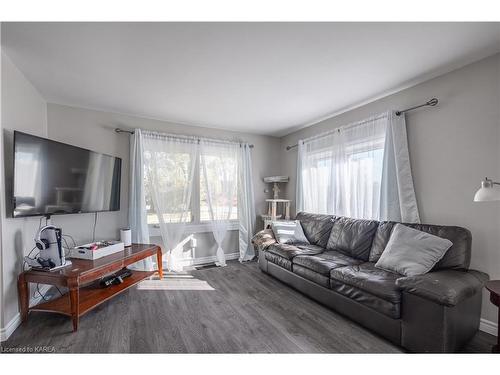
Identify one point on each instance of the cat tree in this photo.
(276, 204)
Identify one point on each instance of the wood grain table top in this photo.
(80, 267)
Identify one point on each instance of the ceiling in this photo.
(264, 78)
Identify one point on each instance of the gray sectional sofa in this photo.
(435, 312)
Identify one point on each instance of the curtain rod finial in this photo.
(433, 102)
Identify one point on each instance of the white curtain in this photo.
(246, 204)
(360, 170)
(219, 165)
(397, 200)
(137, 202)
(299, 183)
(172, 177)
(170, 163)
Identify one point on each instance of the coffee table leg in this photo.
(74, 296)
(159, 262)
(22, 287)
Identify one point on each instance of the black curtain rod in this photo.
(430, 103)
(118, 130)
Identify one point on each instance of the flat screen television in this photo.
(52, 178)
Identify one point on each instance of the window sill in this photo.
(154, 229)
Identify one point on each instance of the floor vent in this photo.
(205, 266)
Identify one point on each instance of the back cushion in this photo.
(457, 256)
(352, 237)
(316, 227)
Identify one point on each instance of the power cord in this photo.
(95, 223)
(31, 251)
(44, 297)
(41, 294)
(72, 239)
(29, 256)
(66, 247)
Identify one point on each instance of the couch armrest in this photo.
(446, 287)
(263, 239)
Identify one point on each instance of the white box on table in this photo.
(81, 253)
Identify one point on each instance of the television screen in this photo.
(56, 178)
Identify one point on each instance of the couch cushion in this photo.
(380, 240)
(323, 263)
(282, 254)
(370, 286)
(279, 260)
(316, 227)
(290, 251)
(311, 275)
(352, 237)
(311, 248)
(457, 256)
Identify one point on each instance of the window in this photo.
(173, 171)
(341, 172)
(221, 172)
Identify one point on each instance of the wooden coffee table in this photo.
(494, 288)
(82, 279)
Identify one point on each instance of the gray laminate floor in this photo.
(235, 309)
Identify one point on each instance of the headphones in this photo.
(43, 243)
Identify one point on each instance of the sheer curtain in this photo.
(137, 198)
(169, 165)
(359, 170)
(178, 180)
(219, 166)
(246, 204)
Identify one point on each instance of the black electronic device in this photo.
(56, 178)
(116, 278)
(46, 263)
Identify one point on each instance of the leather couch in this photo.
(435, 312)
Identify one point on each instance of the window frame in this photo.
(196, 225)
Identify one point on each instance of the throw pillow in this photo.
(411, 252)
(288, 231)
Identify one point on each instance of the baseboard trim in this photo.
(11, 326)
(15, 322)
(488, 327)
(204, 260)
(212, 259)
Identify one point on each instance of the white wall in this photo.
(452, 148)
(22, 109)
